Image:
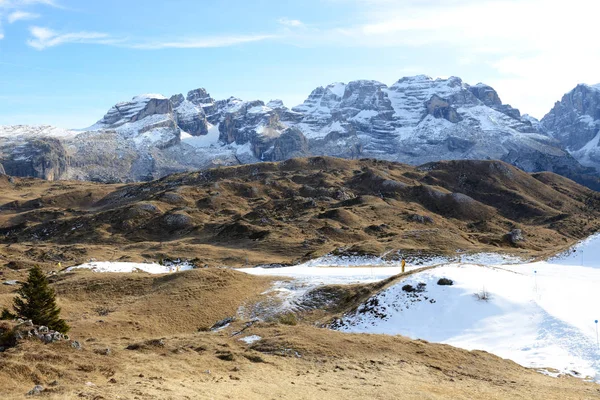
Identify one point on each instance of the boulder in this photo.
(515, 236)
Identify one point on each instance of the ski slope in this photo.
(541, 315)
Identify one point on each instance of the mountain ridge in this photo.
(415, 120)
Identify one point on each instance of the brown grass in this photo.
(158, 317)
(294, 210)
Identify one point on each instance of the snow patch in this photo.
(250, 339)
(128, 267)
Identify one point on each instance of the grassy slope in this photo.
(297, 362)
(294, 210)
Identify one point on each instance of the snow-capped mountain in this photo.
(416, 120)
(575, 123)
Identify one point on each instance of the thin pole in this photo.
(535, 280)
(597, 341)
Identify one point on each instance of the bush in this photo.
(288, 319)
(7, 315)
(483, 295)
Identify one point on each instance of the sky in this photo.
(66, 62)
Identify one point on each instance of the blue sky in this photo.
(66, 62)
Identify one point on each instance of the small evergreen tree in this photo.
(37, 302)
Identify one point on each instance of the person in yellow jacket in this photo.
(403, 264)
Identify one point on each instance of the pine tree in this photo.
(38, 302)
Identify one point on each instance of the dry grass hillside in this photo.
(154, 328)
(147, 336)
(294, 210)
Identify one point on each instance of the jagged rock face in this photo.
(137, 109)
(200, 98)
(44, 158)
(148, 120)
(440, 108)
(250, 123)
(188, 116)
(575, 121)
(416, 120)
(290, 144)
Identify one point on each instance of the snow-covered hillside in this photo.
(541, 315)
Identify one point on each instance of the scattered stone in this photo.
(36, 391)
(54, 383)
(11, 283)
(76, 345)
(112, 380)
(421, 219)
(103, 352)
(225, 356)
(222, 323)
(515, 236)
(445, 282)
(411, 289)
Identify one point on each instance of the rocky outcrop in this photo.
(290, 144)
(44, 158)
(250, 123)
(189, 117)
(440, 108)
(575, 122)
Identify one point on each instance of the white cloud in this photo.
(17, 4)
(531, 51)
(290, 23)
(199, 43)
(21, 16)
(43, 38)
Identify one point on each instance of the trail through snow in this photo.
(539, 314)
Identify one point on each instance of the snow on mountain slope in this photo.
(540, 315)
(416, 120)
(28, 131)
(522, 320)
(575, 122)
(419, 119)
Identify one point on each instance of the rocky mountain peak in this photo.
(416, 120)
(199, 97)
(486, 94)
(138, 108)
(575, 122)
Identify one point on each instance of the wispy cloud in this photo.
(21, 16)
(15, 10)
(197, 43)
(17, 4)
(43, 38)
(290, 23)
